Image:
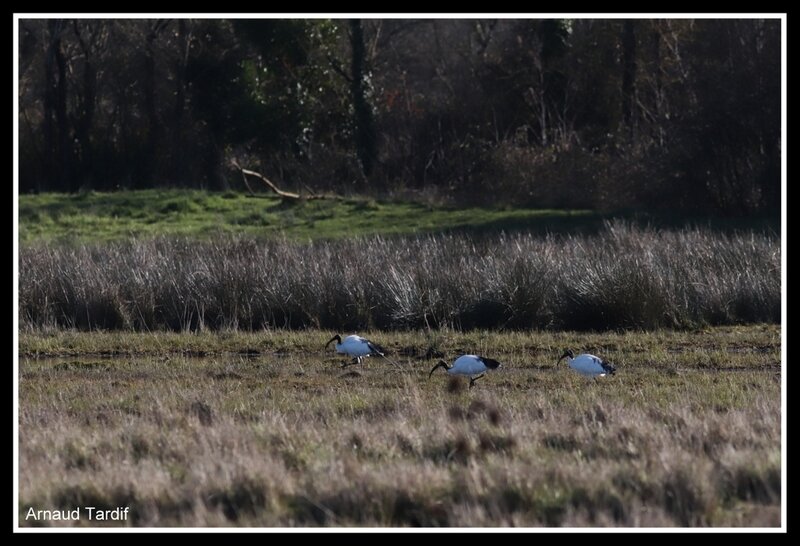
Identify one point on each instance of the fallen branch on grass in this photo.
(275, 189)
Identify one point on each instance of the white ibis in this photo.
(468, 365)
(356, 347)
(588, 365)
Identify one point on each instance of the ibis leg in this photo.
(352, 362)
(472, 380)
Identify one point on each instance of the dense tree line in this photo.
(553, 113)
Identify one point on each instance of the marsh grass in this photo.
(623, 277)
(686, 434)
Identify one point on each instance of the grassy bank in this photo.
(687, 433)
(622, 277)
(96, 216)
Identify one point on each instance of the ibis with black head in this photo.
(588, 365)
(473, 366)
(356, 347)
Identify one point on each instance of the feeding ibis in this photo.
(468, 365)
(356, 347)
(588, 365)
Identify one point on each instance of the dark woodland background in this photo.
(601, 114)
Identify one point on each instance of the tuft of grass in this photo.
(203, 412)
(244, 497)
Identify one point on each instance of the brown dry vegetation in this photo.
(686, 434)
(622, 277)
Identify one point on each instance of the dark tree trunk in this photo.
(86, 108)
(659, 85)
(659, 112)
(364, 124)
(215, 161)
(178, 167)
(57, 137)
(50, 158)
(150, 112)
(628, 72)
(62, 122)
(153, 136)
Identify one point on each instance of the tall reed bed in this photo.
(623, 277)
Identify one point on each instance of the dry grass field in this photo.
(266, 429)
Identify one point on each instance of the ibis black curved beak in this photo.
(334, 338)
(440, 364)
(565, 355)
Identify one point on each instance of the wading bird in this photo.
(468, 365)
(356, 347)
(588, 365)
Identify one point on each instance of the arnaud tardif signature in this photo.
(89, 513)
